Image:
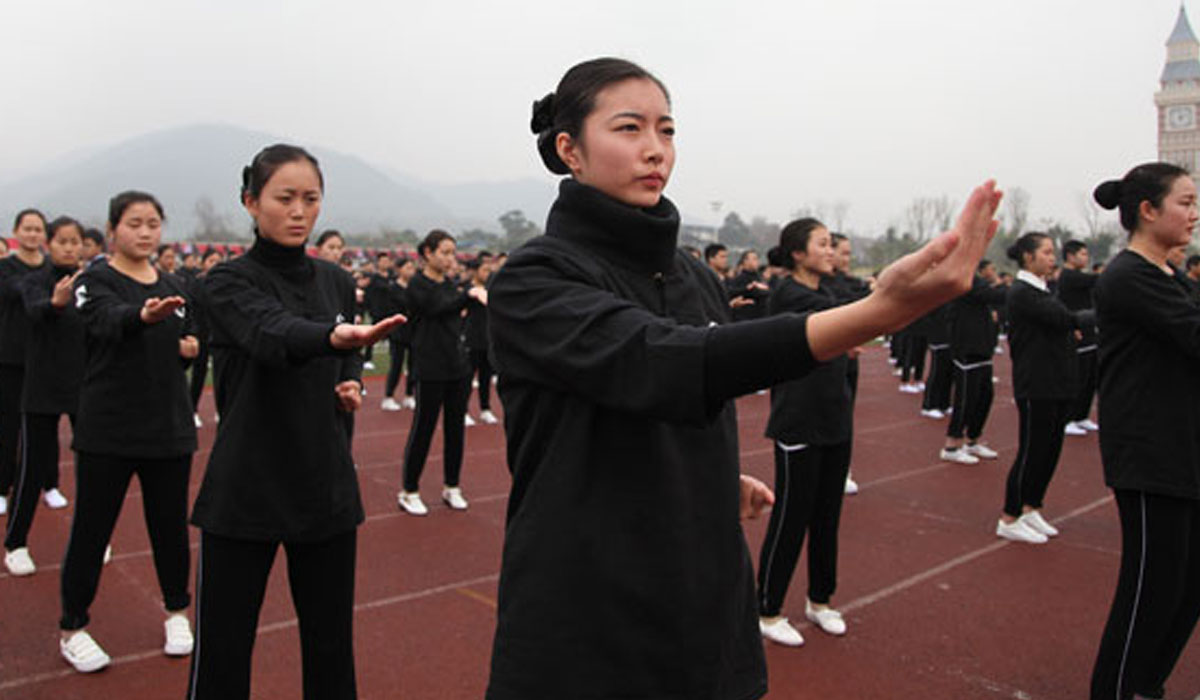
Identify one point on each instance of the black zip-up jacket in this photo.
(280, 469)
(1075, 289)
(1041, 337)
(816, 409)
(438, 346)
(134, 401)
(14, 323)
(1149, 379)
(617, 374)
(54, 356)
(972, 331)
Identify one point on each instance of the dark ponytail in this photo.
(1149, 182)
(565, 109)
(794, 237)
(270, 159)
(1027, 244)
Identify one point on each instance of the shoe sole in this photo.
(90, 667)
(178, 651)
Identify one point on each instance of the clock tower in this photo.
(1178, 100)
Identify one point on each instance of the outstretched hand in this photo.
(347, 336)
(349, 395)
(757, 498)
(155, 309)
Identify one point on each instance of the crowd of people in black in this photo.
(618, 356)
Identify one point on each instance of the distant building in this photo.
(1178, 100)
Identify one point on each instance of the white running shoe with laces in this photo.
(409, 402)
(1034, 521)
(851, 486)
(980, 450)
(1018, 531)
(829, 620)
(82, 652)
(780, 631)
(411, 503)
(468, 421)
(179, 639)
(1073, 428)
(958, 455)
(19, 563)
(453, 497)
(932, 413)
(488, 417)
(1088, 424)
(3, 505)
(390, 404)
(197, 421)
(54, 499)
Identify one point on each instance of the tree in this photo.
(212, 226)
(763, 233)
(517, 229)
(1016, 211)
(920, 216)
(839, 210)
(734, 232)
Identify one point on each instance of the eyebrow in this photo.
(641, 117)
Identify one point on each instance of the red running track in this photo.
(937, 607)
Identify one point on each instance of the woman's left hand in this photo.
(349, 394)
(756, 498)
(189, 347)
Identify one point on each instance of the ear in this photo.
(251, 205)
(568, 151)
(1147, 212)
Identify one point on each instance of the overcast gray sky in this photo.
(778, 104)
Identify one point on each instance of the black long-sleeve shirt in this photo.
(741, 286)
(280, 469)
(816, 409)
(617, 369)
(1149, 379)
(973, 332)
(54, 355)
(438, 345)
(134, 400)
(14, 323)
(1041, 337)
(1075, 289)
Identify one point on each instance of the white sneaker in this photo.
(411, 503)
(1018, 531)
(196, 420)
(368, 365)
(828, 619)
(1034, 521)
(1073, 428)
(1088, 424)
(780, 631)
(919, 386)
(216, 417)
(897, 372)
(409, 403)
(468, 421)
(107, 554)
(958, 455)
(475, 383)
(179, 635)
(453, 497)
(82, 652)
(54, 499)
(3, 505)
(851, 485)
(390, 404)
(19, 563)
(933, 413)
(488, 417)
(981, 450)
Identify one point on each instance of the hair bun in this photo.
(247, 173)
(1014, 253)
(1108, 194)
(543, 114)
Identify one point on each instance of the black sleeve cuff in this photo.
(307, 339)
(751, 355)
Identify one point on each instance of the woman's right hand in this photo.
(64, 291)
(347, 336)
(155, 309)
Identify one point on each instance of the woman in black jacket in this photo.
(811, 425)
(443, 371)
(53, 372)
(280, 473)
(1150, 435)
(617, 370)
(1041, 337)
(134, 418)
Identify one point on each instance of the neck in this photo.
(433, 274)
(137, 268)
(30, 256)
(1150, 249)
(806, 277)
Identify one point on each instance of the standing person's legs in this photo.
(1082, 406)
(430, 396)
(1146, 605)
(199, 375)
(231, 580)
(457, 394)
(395, 365)
(1045, 449)
(12, 383)
(483, 370)
(100, 485)
(164, 503)
(920, 344)
(321, 576)
(1187, 612)
(1018, 473)
(983, 393)
(937, 389)
(826, 517)
(796, 495)
(410, 384)
(39, 446)
(961, 402)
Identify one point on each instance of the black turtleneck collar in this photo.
(640, 239)
(291, 261)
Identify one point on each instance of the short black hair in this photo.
(1192, 261)
(1072, 247)
(117, 205)
(94, 236)
(712, 249)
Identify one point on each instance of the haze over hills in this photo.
(184, 165)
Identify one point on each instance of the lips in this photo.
(653, 180)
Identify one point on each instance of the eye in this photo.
(628, 126)
(669, 130)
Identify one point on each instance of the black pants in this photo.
(432, 396)
(396, 353)
(39, 459)
(100, 485)
(809, 485)
(973, 393)
(1081, 408)
(941, 378)
(1041, 440)
(912, 364)
(12, 383)
(231, 582)
(199, 375)
(481, 369)
(1157, 602)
